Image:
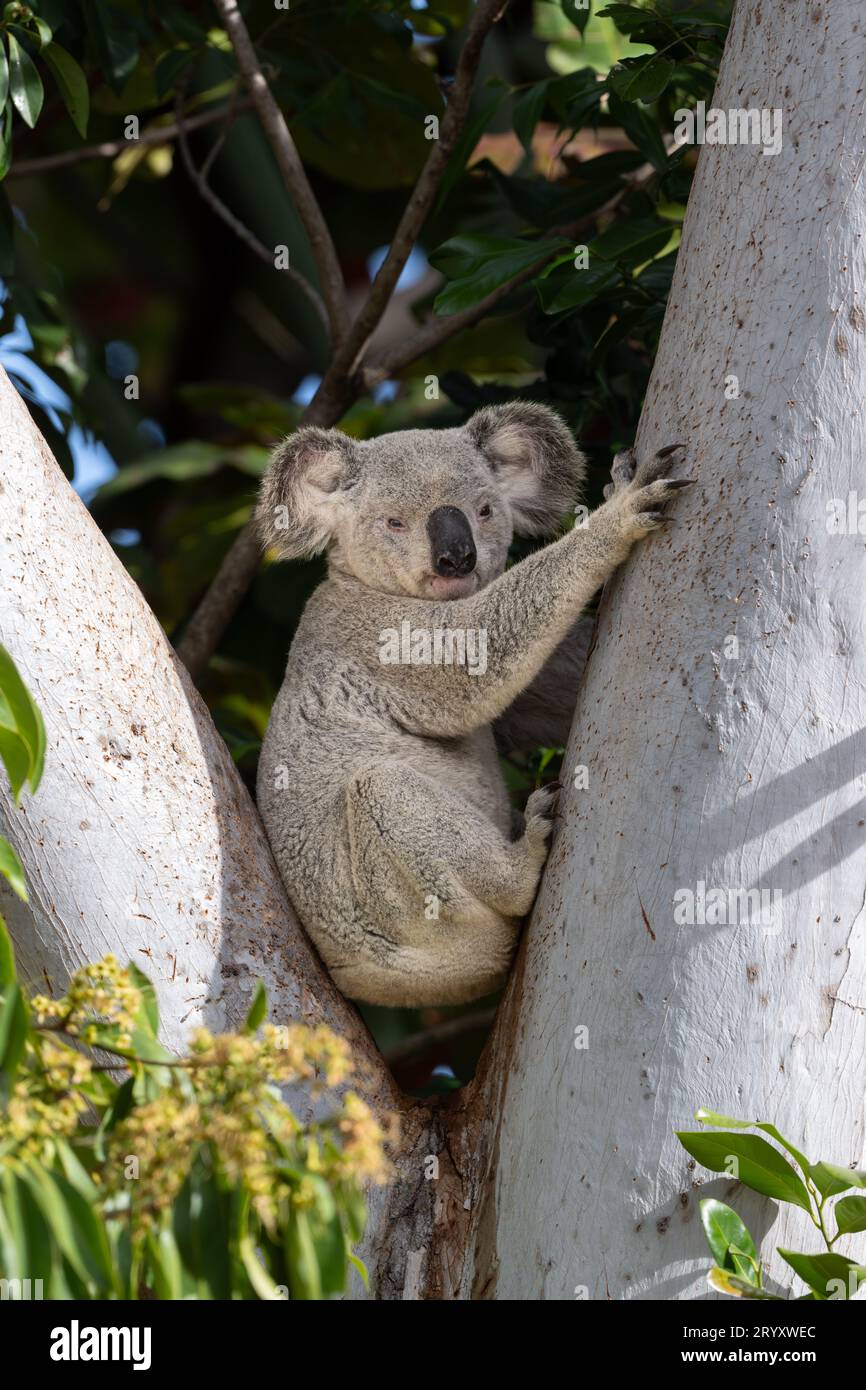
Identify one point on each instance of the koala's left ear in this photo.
(536, 462)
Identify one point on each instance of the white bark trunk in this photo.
(141, 839)
(740, 771)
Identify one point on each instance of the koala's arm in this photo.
(528, 610)
(542, 714)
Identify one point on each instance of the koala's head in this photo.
(429, 513)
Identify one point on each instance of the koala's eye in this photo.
(485, 510)
(394, 524)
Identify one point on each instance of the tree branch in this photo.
(487, 13)
(199, 178)
(155, 135)
(438, 330)
(290, 166)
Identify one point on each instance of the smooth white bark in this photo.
(742, 771)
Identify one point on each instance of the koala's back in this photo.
(332, 722)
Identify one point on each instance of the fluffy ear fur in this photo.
(301, 492)
(535, 461)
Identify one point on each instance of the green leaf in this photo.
(304, 1280)
(709, 1117)
(328, 1237)
(5, 138)
(148, 1018)
(573, 288)
(4, 75)
(170, 67)
(15, 756)
(641, 129)
(165, 1263)
(28, 1234)
(760, 1166)
(182, 462)
(263, 1284)
(477, 265)
(25, 84)
(850, 1214)
(115, 38)
(72, 83)
(627, 18)
(14, 1031)
(19, 716)
(577, 12)
(75, 1226)
(258, 1009)
(820, 1271)
(631, 242)
(641, 79)
(830, 1179)
(202, 1227)
(527, 112)
(10, 867)
(724, 1230)
(465, 147)
(7, 959)
(724, 1282)
(576, 97)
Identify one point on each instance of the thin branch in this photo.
(155, 135)
(200, 180)
(487, 13)
(438, 1034)
(438, 330)
(290, 166)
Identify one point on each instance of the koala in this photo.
(379, 782)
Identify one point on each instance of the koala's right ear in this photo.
(302, 491)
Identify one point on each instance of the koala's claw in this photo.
(669, 449)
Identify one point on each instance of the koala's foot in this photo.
(541, 811)
(640, 491)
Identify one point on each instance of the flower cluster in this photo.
(224, 1108)
(99, 996)
(136, 1135)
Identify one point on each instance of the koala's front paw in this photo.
(541, 810)
(640, 491)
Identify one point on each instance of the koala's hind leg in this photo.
(404, 825)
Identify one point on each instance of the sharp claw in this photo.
(669, 449)
(681, 482)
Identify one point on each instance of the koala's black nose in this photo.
(451, 544)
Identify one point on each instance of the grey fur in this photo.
(379, 784)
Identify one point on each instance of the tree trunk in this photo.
(736, 764)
